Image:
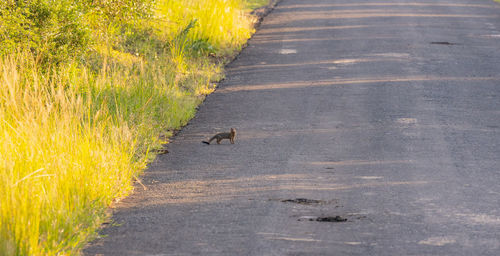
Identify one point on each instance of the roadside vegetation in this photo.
(89, 91)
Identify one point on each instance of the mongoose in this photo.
(223, 135)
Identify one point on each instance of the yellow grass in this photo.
(71, 142)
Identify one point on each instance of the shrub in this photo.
(54, 31)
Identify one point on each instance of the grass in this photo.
(73, 136)
(72, 142)
(254, 4)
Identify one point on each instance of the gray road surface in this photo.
(386, 112)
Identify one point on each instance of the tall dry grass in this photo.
(71, 142)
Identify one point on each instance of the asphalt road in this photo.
(387, 113)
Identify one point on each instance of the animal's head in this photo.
(233, 131)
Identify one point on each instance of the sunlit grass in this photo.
(72, 139)
(253, 4)
(221, 24)
(71, 142)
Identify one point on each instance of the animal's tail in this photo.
(210, 140)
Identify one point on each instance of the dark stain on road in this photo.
(331, 219)
(336, 218)
(304, 201)
(443, 43)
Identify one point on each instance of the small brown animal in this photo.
(223, 135)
